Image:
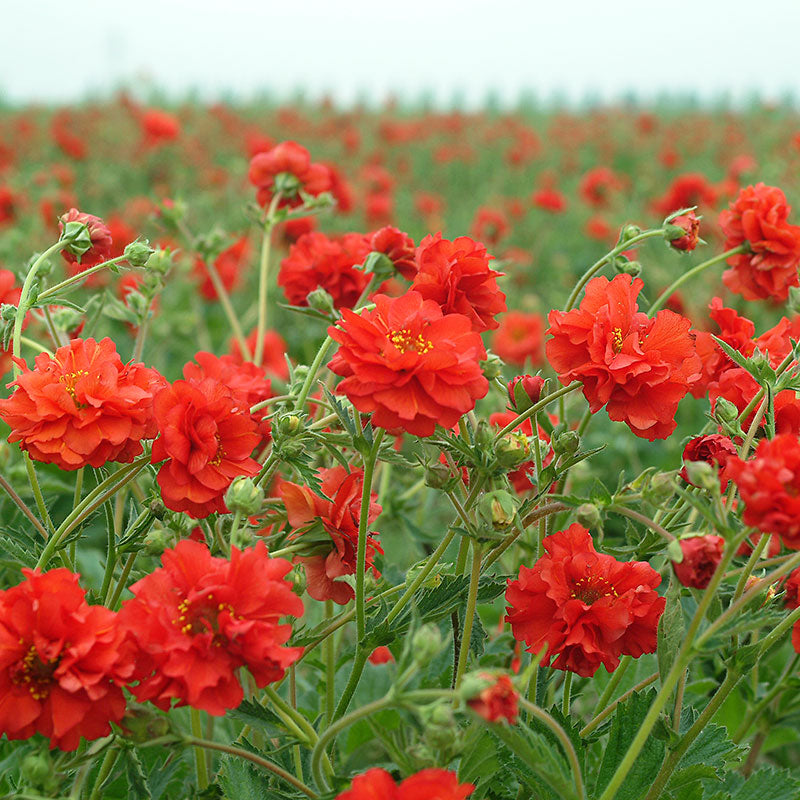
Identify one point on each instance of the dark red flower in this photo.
(316, 261)
(100, 235)
(456, 274)
(328, 530)
(409, 364)
(701, 554)
(689, 234)
(758, 216)
(62, 661)
(640, 367)
(287, 169)
(197, 620)
(207, 436)
(530, 386)
(499, 700)
(83, 406)
(586, 608)
(769, 485)
(792, 589)
(713, 449)
(430, 784)
(489, 225)
(519, 338)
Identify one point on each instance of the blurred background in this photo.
(444, 52)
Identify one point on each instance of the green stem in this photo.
(665, 295)
(20, 503)
(614, 681)
(565, 698)
(518, 420)
(542, 716)
(312, 373)
(329, 653)
(609, 709)
(126, 570)
(263, 278)
(599, 264)
(469, 616)
(631, 514)
(674, 757)
(36, 488)
(206, 744)
(105, 770)
(81, 276)
(201, 765)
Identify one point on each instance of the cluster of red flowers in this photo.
(758, 217)
(639, 368)
(328, 530)
(287, 170)
(584, 607)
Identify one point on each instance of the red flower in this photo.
(62, 661)
(498, 701)
(549, 199)
(586, 608)
(701, 554)
(287, 169)
(197, 619)
(8, 205)
(228, 265)
(409, 364)
(248, 383)
(458, 277)
(82, 407)
(489, 225)
(315, 261)
(792, 589)
(690, 189)
(758, 216)
(207, 436)
(769, 486)
(640, 367)
(714, 449)
(528, 388)
(597, 185)
(274, 357)
(329, 530)
(519, 338)
(159, 126)
(100, 235)
(398, 247)
(430, 784)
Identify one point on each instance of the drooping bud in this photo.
(512, 450)
(492, 366)
(137, 253)
(498, 509)
(566, 443)
(524, 391)
(244, 496)
(588, 515)
(320, 300)
(683, 232)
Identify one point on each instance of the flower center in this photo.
(201, 616)
(69, 379)
(616, 339)
(34, 673)
(215, 462)
(404, 340)
(591, 588)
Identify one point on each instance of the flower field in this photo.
(399, 454)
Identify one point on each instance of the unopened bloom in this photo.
(701, 555)
(713, 449)
(196, 620)
(640, 368)
(584, 607)
(82, 406)
(62, 661)
(99, 234)
(398, 247)
(409, 364)
(685, 231)
(499, 700)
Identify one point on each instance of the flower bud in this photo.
(566, 443)
(683, 232)
(484, 435)
(426, 644)
(625, 267)
(379, 265)
(138, 253)
(524, 391)
(244, 496)
(37, 768)
(512, 450)
(243, 537)
(588, 515)
(495, 700)
(627, 233)
(498, 509)
(660, 488)
(288, 424)
(8, 313)
(160, 261)
(701, 555)
(143, 724)
(77, 238)
(67, 319)
(492, 366)
(440, 476)
(157, 541)
(700, 473)
(320, 300)
(439, 724)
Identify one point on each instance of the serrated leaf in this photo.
(671, 628)
(774, 784)
(626, 722)
(712, 748)
(138, 788)
(257, 716)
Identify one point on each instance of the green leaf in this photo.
(712, 748)
(480, 763)
(627, 720)
(257, 716)
(774, 784)
(138, 788)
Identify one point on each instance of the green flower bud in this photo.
(439, 476)
(37, 768)
(8, 313)
(426, 644)
(473, 684)
(320, 300)
(243, 537)
(492, 366)
(439, 723)
(702, 474)
(484, 435)
(160, 261)
(566, 443)
(137, 253)
(143, 723)
(498, 509)
(157, 541)
(77, 237)
(379, 265)
(625, 267)
(244, 496)
(288, 424)
(588, 515)
(725, 411)
(513, 449)
(660, 488)
(67, 319)
(628, 232)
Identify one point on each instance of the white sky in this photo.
(58, 50)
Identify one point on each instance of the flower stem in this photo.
(614, 681)
(518, 420)
(630, 513)
(329, 652)
(469, 616)
(609, 709)
(75, 279)
(263, 278)
(665, 295)
(200, 761)
(20, 503)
